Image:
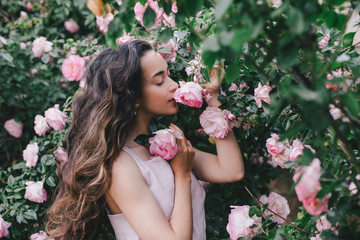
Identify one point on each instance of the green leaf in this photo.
(143, 139)
(328, 189)
(288, 55)
(165, 35)
(241, 36)
(7, 57)
(30, 214)
(330, 19)
(264, 207)
(50, 181)
(232, 72)
(296, 21)
(212, 44)
(19, 217)
(348, 39)
(45, 58)
(351, 103)
(221, 7)
(11, 180)
(252, 107)
(149, 18)
(254, 210)
(114, 31)
(209, 58)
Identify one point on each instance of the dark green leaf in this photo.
(7, 57)
(143, 139)
(50, 181)
(165, 35)
(350, 101)
(149, 18)
(232, 73)
(348, 39)
(221, 7)
(254, 210)
(11, 180)
(30, 214)
(209, 58)
(240, 37)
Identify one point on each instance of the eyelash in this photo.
(159, 84)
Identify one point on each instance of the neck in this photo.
(141, 126)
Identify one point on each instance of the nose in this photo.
(174, 86)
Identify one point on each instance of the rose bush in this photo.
(291, 70)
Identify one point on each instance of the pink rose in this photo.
(352, 186)
(325, 41)
(73, 68)
(42, 235)
(13, 128)
(242, 85)
(103, 23)
(276, 3)
(163, 144)
(139, 10)
(296, 150)
(4, 227)
(169, 21)
(124, 38)
(41, 46)
(322, 223)
(233, 87)
(231, 116)
(240, 224)
(61, 154)
(41, 126)
(189, 93)
(35, 191)
(334, 112)
(30, 154)
(214, 122)
(315, 206)
(55, 118)
(273, 146)
(277, 204)
(309, 184)
(282, 158)
(71, 26)
(168, 50)
(261, 93)
(174, 8)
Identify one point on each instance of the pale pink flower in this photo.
(41, 46)
(30, 154)
(281, 158)
(334, 112)
(315, 206)
(338, 73)
(273, 145)
(325, 41)
(139, 10)
(170, 47)
(124, 38)
(174, 8)
(242, 85)
(322, 223)
(4, 227)
(310, 148)
(296, 150)
(309, 184)
(317, 237)
(55, 118)
(71, 26)
(276, 3)
(73, 68)
(103, 23)
(352, 186)
(13, 128)
(214, 123)
(189, 93)
(240, 224)
(169, 21)
(329, 77)
(233, 87)
(23, 46)
(163, 144)
(231, 116)
(41, 235)
(277, 204)
(35, 191)
(61, 154)
(190, 70)
(41, 126)
(261, 93)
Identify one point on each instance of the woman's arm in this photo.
(132, 195)
(228, 165)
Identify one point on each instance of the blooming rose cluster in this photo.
(261, 93)
(163, 144)
(168, 50)
(73, 68)
(4, 227)
(234, 87)
(161, 16)
(53, 118)
(282, 152)
(241, 224)
(41, 46)
(307, 181)
(189, 93)
(277, 204)
(13, 127)
(215, 122)
(35, 191)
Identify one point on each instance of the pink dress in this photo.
(159, 177)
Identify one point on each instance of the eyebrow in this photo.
(159, 73)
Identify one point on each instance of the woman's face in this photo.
(158, 88)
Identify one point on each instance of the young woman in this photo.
(110, 175)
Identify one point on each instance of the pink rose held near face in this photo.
(190, 94)
(163, 144)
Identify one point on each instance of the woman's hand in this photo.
(183, 161)
(215, 79)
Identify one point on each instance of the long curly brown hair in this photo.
(102, 116)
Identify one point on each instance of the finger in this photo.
(181, 142)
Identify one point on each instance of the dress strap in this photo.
(133, 155)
